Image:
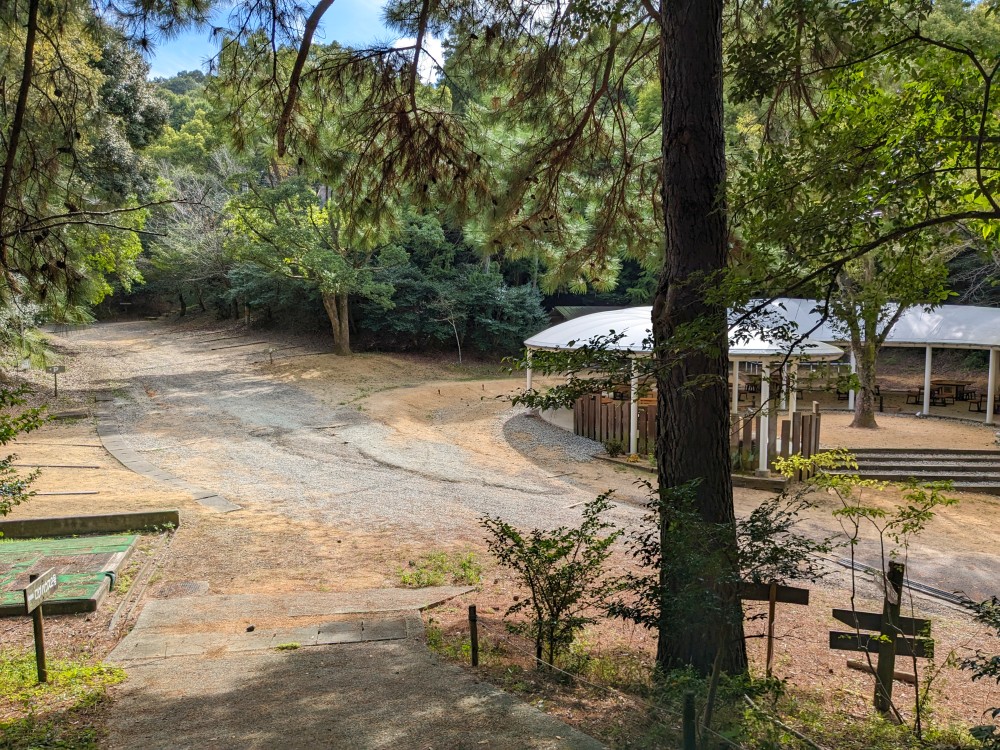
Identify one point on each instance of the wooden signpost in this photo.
(55, 370)
(772, 593)
(906, 636)
(39, 588)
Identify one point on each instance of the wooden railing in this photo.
(605, 419)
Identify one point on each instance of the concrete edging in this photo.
(143, 520)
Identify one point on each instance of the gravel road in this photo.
(222, 420)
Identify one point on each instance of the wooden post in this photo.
(37, 624)
(772, 598)
(474, 634)
(690, 736)
(887, 642)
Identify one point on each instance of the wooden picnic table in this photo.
(953, 389)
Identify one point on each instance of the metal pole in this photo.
(928, 356)
(633, 412)
(527, 372)
(793, 376)
(474, 634)
(854, 370)
(688, 719)
(771, 599)
(55, 384)
(38, 626)
(991, 385)
(734, 403)
(765, 407)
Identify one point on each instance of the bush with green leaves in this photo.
(563, 570)
(14, 421)
(985, 667)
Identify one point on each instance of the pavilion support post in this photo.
(764, 432)
(854, 371)
(527, 371)
(784, 388)
(793, 373)
(633, 422)
(928, 358)
(734, 398)
(991, 385)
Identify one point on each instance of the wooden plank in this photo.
(807, 439)
(873, 621)
(786, 438)
(40, 589)
(761, 592)
(797, 432)
(922, 648)
(815, 446)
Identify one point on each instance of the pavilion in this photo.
(631, 328)
(943, 327)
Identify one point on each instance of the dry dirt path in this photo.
(323, 488)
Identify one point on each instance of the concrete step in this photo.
(940, 452)
(929, 465)
(897, 475)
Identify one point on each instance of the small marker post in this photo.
(474, 635)
(55, 370)
(39, 588)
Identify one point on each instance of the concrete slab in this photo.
(190, 612)
(364, 696)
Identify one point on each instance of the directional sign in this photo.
(873, 621)
(761, 592)
(919, 647)
(55, 369)
(39, 589)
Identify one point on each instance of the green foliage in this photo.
(15, 421)
(563, 571)
(56, 714)
(615, 448)
(769, 550)
(986, 667)
(440, 569)
(292, 646)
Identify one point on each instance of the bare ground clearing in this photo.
(349, 468)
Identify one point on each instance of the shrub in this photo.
(562, 569)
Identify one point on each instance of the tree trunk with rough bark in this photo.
(865, 354)
(337, 310)
(692, 442)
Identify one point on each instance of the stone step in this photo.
(895, 475)
(939, 452)
(929, 465)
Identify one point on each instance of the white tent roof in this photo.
(635, 323)
(948, 326)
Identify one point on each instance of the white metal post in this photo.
(765, 407)
(633, 426)
(928, 356)
(784, 387)
(734, 402)
(793, 375)
(991, 384)
(854, 370)
(527, 371)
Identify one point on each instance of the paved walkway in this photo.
(361, 678)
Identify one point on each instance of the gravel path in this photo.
(219, 419)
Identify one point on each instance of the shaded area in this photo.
(390, 694)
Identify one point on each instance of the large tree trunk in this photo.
(692, 442)
(336, 310)
(866, 355)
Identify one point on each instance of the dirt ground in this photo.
(906, 432)
(395, 403)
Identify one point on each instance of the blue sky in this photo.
(350, 22)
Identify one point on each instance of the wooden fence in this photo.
(786, 436)
(605, 419)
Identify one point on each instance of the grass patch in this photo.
(64, 713)
(441, 569)
(288, 646)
